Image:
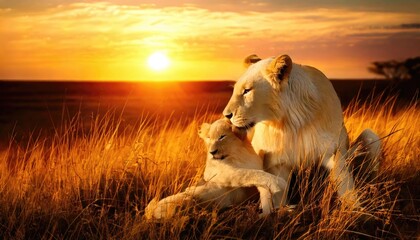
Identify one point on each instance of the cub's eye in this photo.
(246, 91)
(222, 137)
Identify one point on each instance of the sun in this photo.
(158, 61)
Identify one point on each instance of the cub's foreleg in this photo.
(167, 207)
(209, 193)
(271, 187)
(241, 177)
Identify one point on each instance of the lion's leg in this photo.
(341, 176)
(266, 201)
(364, 155)
(204, 194)
(166, 207)
(269, 201)
(283, 171)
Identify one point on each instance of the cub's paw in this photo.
(159, 209)
(149, 211)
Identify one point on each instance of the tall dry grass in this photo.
(93, 182)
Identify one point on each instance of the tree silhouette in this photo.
(413, 66)
(398, 71)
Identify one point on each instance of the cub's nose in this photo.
(213, 152)
(229, 116)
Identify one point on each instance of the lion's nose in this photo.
(229, 116)
(213, 152)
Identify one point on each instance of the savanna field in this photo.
(89, 170)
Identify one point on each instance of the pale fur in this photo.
(298, 120)
(231, 162)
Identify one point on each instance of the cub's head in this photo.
(257, 94)
(221, 138)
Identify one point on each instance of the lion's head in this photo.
(254, 95)
(221, 137)
(271, 89)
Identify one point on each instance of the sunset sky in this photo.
(204, 40)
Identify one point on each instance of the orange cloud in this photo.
(111, 42)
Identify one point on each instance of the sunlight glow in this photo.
(205, 42)
(158, 61)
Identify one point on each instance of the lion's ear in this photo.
(240, 133)
(251, 59)
(280, 68)
(204, 129)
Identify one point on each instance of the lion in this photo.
(297, 121)
(231, 162)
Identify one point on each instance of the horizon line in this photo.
(165, 81)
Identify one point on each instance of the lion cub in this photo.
(232, 162)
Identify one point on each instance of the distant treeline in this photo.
(404, 91)
(398, 71)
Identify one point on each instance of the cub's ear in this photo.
(251, 59)
(204, 129)
(279, 69)
(240, 133)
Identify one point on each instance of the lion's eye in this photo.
(246, 91)
(222, 137)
